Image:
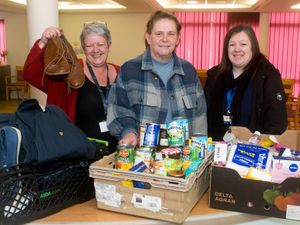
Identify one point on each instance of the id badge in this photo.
(103, 127)
(227, 119)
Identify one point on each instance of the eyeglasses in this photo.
(95, 22)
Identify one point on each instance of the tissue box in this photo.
(284, 167)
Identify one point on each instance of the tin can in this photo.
(125, 156)
(175, 133)
(185, 126)
(145, 154)
(151, 134)
(163, 135)
(186, 156)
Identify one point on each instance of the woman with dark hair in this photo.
(245, 89)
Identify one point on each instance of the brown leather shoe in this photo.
(54, 58)
(76, 77)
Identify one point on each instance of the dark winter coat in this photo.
(268, 108)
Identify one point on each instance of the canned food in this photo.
(186, 156)
(185, 126)
(175, 133)
(145, 154)
(186, 153)
(151, 134)
(125, 156)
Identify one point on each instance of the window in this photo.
(2, 42)
(284, 45)
(202, 37)
(203, 34)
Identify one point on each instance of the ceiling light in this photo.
(72, 5)
(23, 2)
(209, 6)
(297, 6)
(191, 2)
(252, 2)
(64, 3)
(90, 6)
(219, 4)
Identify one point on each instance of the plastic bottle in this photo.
(255, 138)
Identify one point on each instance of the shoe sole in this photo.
(19, 143)
(20, 201)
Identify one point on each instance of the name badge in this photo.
(227, 119)
(103, 127)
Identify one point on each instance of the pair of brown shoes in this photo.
(60, 59)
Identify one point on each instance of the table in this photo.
(87, 214)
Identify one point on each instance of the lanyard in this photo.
(229, 95)
(103, 97)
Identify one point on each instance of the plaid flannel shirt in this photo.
(139, 96)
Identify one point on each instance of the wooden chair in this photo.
(288, 85)
(202, 75)
(17, 84)
(19, 71)
(293, 113)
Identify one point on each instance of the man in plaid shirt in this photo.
(157, 86)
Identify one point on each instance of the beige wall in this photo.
(127, 33)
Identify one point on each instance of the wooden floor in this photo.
(9, 106)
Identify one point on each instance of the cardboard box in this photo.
(229, 191)
(168, 198)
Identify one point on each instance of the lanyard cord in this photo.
(229, 95)
(104, 98)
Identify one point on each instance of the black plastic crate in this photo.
(36, 191)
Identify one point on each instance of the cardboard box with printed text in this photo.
(229, 191)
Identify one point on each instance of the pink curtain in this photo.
(250, 19)
(284, 45)
(203, 34)
(202, 37)
(2, 37)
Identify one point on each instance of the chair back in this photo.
(288, 85)
(202, 75)
(8, 80)
(19, 70)
(297, 114)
